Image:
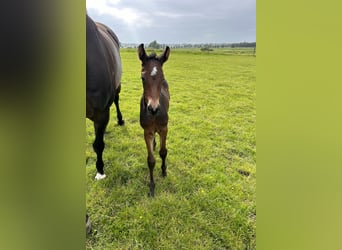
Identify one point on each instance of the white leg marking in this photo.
(100, 176)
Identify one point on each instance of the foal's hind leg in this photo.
(163, 150)
(149, 136)
(100, 124)
(154, 143)
(118, 112)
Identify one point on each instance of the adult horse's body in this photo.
(103, 82)
(154, 106)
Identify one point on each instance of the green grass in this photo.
(204, 202)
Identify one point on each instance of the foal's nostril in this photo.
(152, 110)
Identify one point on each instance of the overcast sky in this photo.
(177, 21)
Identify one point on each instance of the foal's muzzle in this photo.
(153, 110)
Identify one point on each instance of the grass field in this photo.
(208, 199)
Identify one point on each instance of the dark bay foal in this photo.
(154, 106)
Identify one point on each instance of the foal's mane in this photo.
(152, 56)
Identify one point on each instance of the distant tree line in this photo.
(244, 45)
(155, 45)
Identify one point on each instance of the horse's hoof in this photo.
(121, 123)
(88, 226)
(99, 176)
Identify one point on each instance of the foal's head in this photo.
(152, 76)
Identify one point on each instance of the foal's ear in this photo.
(163, 57)
(141, 52)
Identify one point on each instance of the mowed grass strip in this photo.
(208, 199)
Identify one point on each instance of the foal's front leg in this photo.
(149, 137)
(163, 149)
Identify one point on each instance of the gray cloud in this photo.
(166, 21)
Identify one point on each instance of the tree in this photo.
(154, 45)
(206, 48)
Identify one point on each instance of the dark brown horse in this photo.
(103, 82)
(113, 46)
(154, 106)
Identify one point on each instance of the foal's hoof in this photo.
(163, 171)
(121, 123)
(99, 176)
(151, 194)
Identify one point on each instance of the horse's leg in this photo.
(118, 112)
(148, 135)
(100, 124)
(88, 225)
(163, 149)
